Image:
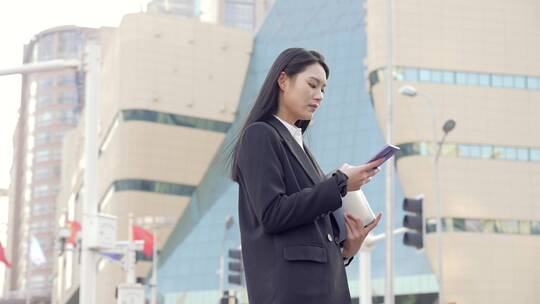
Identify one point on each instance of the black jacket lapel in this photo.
(296, 150)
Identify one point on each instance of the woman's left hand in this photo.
(356, 233)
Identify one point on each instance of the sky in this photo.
(19, 22)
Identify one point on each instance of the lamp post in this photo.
(449, 125)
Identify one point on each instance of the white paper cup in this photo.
(355, 203)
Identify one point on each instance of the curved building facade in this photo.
(477, 62)
(344, 129)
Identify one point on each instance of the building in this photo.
(179, 8)
(478, 63)
(245, 14)
(50, 106)
(169, 92)
(345, 129)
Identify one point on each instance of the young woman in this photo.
(296, 241)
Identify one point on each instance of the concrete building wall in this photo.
(478, 62)
(169, 91)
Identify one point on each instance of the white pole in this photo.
(389, 224)
(365, 296)
(130, 275)
(436, 196)
(89, 257)
(154, 270)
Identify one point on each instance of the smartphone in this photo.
(387, 152)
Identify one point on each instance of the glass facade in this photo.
(471, 151)
(344, 130)
(176, 119)
(497, 226)
(412, 74)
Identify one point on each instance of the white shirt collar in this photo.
(294, 130)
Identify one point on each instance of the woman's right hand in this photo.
(360, 175)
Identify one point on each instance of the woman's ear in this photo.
(283, 81)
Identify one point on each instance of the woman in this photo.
(295, 239)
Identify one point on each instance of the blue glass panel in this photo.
(523, 154)
(484, 80)
(519, 82)
(511, 153)
(425, 75)
(411, 74)
(449, 77)
(535, 227)
(508, 81)
(474, 151)
(497, 81)
(487, 151)
(535, 154)
(472, 78)
(461, 78)
(463, 150)
(533, 83)
(436, 76)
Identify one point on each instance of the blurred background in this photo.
(118, 115)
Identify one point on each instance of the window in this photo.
(153, 186)
(473, 225)
(45, 83)
(425, 75)
(533, 83)
(535, 154)
(484, 80)
(487, 151)
(174, 119)
(497, 81)
(411, 74)
(458, 224)
(511, 153)
(461, 78)
(519, 82)
(436, 76)
(463, 150)
(68, 97)
(474, 151)
(67, 79)
(472, 79)
(448, 77)
(399, 74)
(522, 154)
(508, 81)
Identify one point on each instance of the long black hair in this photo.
(291, 61)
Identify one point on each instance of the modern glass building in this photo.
(345, 129)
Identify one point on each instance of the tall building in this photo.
(245, 14)
(50, 106)
(182, 8)
(477, 62)
(169, 92)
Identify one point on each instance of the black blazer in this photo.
(289, 233)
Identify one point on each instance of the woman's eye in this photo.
(312, 86)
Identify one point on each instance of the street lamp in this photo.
(449, 125)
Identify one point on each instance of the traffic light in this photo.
(413, 220)
(235, 267)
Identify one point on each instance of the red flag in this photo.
(139, 233)
(3, 257)
(74, 227)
